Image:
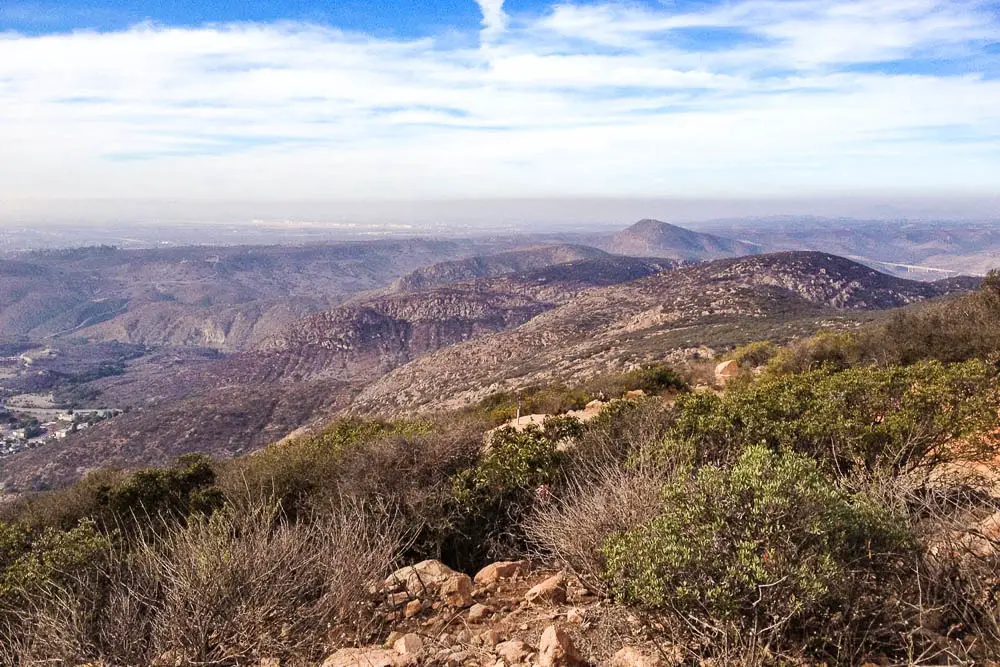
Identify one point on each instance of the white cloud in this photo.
(494, 18)
(584, 100)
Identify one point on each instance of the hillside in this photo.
(722, 302)
(221, 297)
(922, 250)
(652, 238)
(372, 335)
(488, 266)
(451, 345)
(184, 400)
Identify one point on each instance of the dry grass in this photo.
(572, 528)
(227, 589)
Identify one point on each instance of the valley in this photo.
(224, 350)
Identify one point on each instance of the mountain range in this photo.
(444, 344)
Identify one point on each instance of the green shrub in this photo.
(295, 470)
(652, 379)
(489, 498)
(30, 561)
(515, 462)
(861, 418)
(553, 399)
(176, 492)
(767, 542)
(831, 350)
(753, 355)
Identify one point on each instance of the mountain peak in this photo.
(654, 238)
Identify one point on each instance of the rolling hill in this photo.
(652, 238)
(444, 347)
(722, 302)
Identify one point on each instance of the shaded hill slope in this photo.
(488, 266)
(187, 402)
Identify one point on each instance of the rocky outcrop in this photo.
(563, 625)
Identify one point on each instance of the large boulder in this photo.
(368, 657)
(556, 649)
(494, 572)
(456, 591)
(421, 580)
(550, 591)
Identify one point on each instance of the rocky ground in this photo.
(510, 613)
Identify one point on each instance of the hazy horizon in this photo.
(488, 214)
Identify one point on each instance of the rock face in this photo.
(556, 649)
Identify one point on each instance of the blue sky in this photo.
(414, 99)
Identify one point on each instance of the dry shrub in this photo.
(958, 581)
(247, 585)
(622, 431)
(231, 588)
(573, 527)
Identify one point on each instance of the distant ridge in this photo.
(488, 266)
(653, 238)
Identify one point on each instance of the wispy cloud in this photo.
(742, 97)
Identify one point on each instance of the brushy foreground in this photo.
(838, 502)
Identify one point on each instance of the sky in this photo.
(478, 100)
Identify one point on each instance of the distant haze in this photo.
(485, 215)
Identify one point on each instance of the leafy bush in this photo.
(830, 350)
(753, 355)
(187, 488)
(554, 399)
(769, 542)
(490, 497)
(652, 379)
(861, 418)
(558, 398)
